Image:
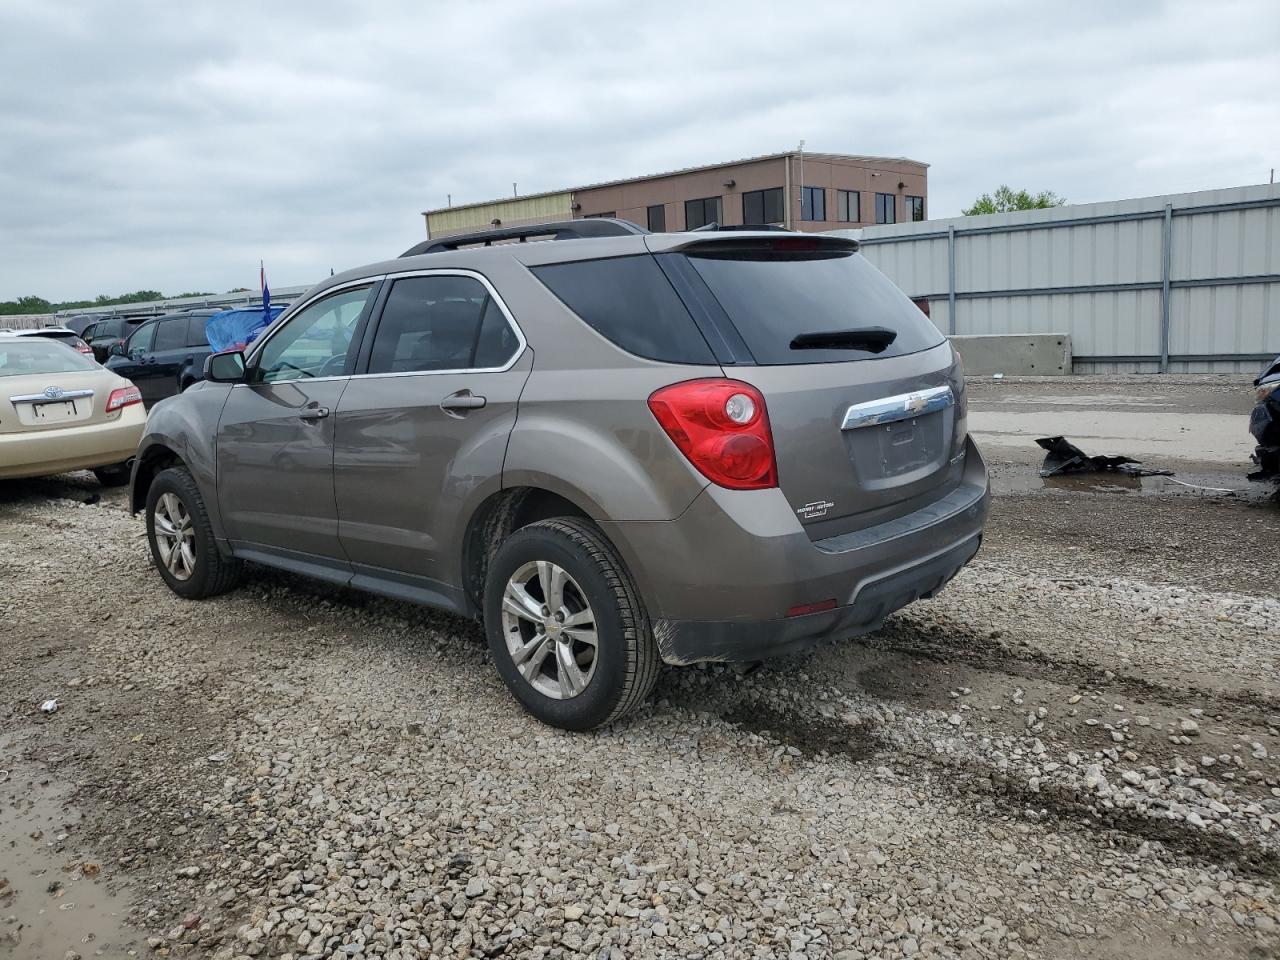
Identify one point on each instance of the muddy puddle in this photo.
(56, 900)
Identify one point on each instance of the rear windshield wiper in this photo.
(870, 339)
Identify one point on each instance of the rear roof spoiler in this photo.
(789, 242)
(564, 230)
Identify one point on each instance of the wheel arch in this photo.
(495, 519)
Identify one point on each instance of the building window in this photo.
(762, 206)
(915, 208)
(885, 208)
(657, 218)
(848, 206)
(813, 203)
(698, 213)
(597, 216)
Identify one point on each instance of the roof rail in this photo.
(564, 230)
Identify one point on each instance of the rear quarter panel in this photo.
(584, 428)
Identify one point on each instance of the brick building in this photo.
(800, 190)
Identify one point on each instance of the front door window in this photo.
(314, 342)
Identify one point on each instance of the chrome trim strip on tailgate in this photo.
(902, 407)
(45, 398)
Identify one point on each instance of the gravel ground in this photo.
(1068, 753)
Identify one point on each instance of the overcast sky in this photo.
(172, 145)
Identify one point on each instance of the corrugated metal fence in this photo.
(1188, 283)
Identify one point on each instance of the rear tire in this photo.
(114, 475)
(177, 520)
(563, 679)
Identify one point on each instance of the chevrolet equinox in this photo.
(615, 448)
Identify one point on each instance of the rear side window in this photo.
(441, 323)
(630, 301)
(792, 303)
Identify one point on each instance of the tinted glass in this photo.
(885, 207)
(142, 338)
(698, 213)
(915, 208)
(498, 342)
(440, 323)
(813, 203)
(170, 335)
(658, 218)
(196, 336)
(39, 355)
(629, 301)
(774, 292)
(762, 206)
(313, 342)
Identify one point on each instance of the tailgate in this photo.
(856, 440)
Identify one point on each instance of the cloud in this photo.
(172, 146)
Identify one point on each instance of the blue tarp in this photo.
(236, 329)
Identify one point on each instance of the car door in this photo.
(167, 354)
(422, 430)
(275, 436)
(197, 350)
(136, 363)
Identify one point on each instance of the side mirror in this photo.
(116, 349)
(224, 367)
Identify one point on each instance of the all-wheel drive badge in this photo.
(53, 393)
(817, 508)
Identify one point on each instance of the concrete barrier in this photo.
(1015, 354)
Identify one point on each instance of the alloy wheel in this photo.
(175, 537)
(550, 630)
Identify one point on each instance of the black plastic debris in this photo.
(1063, 456)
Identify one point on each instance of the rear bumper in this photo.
(46, 452)
(718, 581)
(695, 641)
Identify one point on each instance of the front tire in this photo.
(566, 627)
(182, 544)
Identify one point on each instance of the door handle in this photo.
(461, 403)
(314, 413)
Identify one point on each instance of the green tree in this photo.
(1005, 199)
(25, 305)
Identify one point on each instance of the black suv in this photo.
(102, 334)
(163, 356)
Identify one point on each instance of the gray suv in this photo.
(615, 448)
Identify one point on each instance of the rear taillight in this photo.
(83, 347)
(123, 397)
(722, 426)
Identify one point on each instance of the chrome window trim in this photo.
(284, 318)
(904, 406)
(42, 398)
(523, 343)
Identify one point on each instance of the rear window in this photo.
(630, 301)
(37, 355)
(781, 296)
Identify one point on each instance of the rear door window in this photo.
(196, 336)
(796, 300)
(441, 323)
(171, 335)
(629, 301)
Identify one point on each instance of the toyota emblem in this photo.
(53, 393)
